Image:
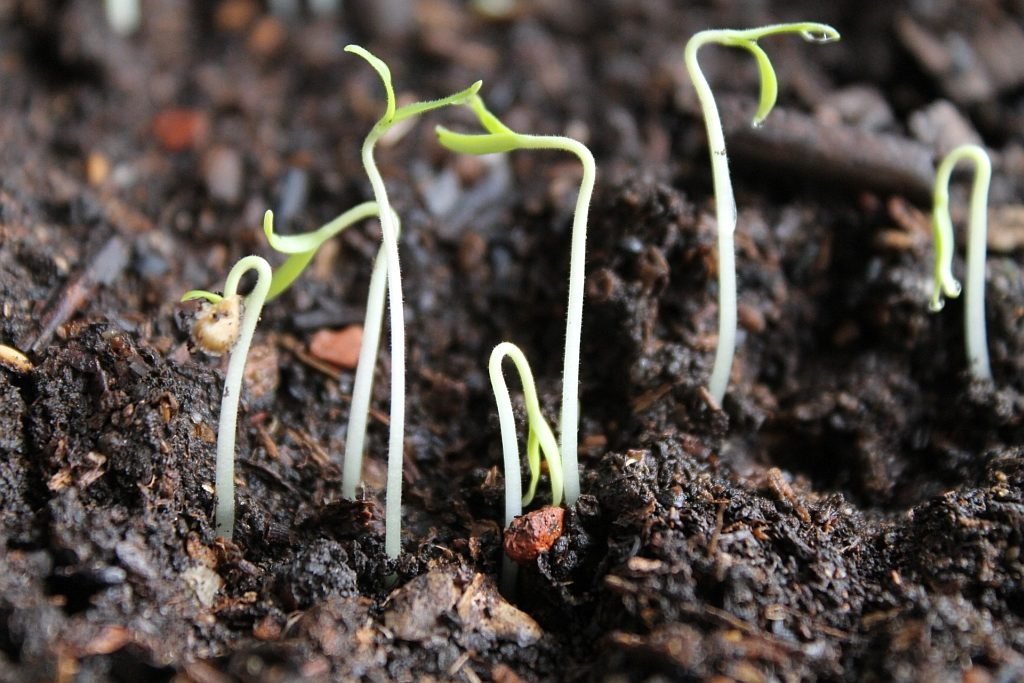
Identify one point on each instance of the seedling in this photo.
(218, 330)
(302, 248)
(393, 115)
(945, 283)
(539, 439)
(500, 138)
(725, 202)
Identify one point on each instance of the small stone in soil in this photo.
(534, 533)
(223, 174)
(179, 129)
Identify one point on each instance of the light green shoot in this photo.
(539, 438)
(302, 249)
(389, 228)
(945, 283)
(224, 487)
(500, 138)
(725, 202)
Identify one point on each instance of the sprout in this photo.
(725, 203)
(500, 138)
(393, 115)
(219, 329)
(302, 249)
(945, 283)
(539, 438)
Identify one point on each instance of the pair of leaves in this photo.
(539, 437)
(302, 248)
(810, 31)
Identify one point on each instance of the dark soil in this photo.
(854, 511)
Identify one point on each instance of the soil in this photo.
(854, 510)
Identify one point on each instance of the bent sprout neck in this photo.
(725, 202)
(396, 427)
(224, 486)
(945, 284)
(501, 138)
(540, 438)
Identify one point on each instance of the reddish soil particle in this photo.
(180, 129)
(339, 347)
(534, 533)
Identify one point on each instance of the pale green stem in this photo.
(541, 436)
(725, 213)
(303, 248)
(396, 428)
(569, 420)
(392, 115)
(362, 387)
(224, 487)
(500, 138)
(945, 283)
(725, 202)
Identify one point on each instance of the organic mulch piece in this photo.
(339, 347)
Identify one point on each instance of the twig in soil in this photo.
(501, 138)
(273, 476)
(647, 399)
(219, 330)
(845, 155)
(945, 283)
(717, 533)
(104, 268)
(725, 203)
(393, 115)
(778, 485)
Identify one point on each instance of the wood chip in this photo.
(972, 64)
(855, 157)
(483, 611)
(338, 347)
